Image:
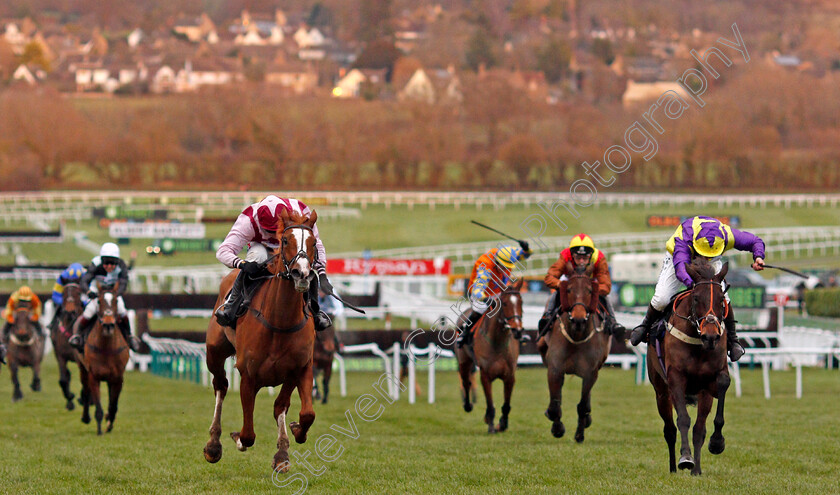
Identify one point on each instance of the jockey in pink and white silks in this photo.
(698, 236)
(257, 227)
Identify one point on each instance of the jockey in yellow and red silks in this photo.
(698, 236)
(490, 276)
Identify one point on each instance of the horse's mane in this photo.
(701, 269)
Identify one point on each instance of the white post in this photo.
(735, 371)
(342, 375)
(781, 322)
(412, 398)
(396, 368)
(798, 379)
(431, 385)
(765, 371)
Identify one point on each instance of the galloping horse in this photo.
(26, 348)
(71, 308)
(273, 343)
(105, 357)
(495, 353)
(694, 354)
(577, 344)
(325, 349)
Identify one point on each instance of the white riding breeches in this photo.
(669, 285)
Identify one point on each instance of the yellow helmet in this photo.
(709, 238)
(507, 256)
(25, 293)
(703, 248)
(582, 244)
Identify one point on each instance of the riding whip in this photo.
(496, 231)
(342, 301)
(794, 272)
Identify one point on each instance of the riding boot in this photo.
(76, 339)
(466, 336)
(545, 322)
(322, 320)
(612, 325)
(641, 332)
(736, 350)
(226, 313)
(125, 328)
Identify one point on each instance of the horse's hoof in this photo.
(579, 436)
(281, 462)
(557, 429)
(109, 427)
(491, 429)
(716, 447)
(503, 424)
(686, 462)
(324, 401)
(696, 472)
(70, 406)
(36, 386)
(587, 421)
(86, 420)
(213, 452)
(234, 435)
(468, 407)
(297, 431)
(17, 396)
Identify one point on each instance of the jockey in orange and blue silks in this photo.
(23, 297)
(698, 236)
(490, 276)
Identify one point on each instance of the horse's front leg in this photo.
(217, 354)
(307, 412)
(64, 380)
(509, 380)
(114, 389)
(97, 402)
(245, 437)
(717, 443)
(584, 407)
(327, 376)
(85, 395)
(554, 413)
(677, 384)
(490, 412)
(281, 408)
(13, 371)
(704, 406)
(36, 371)
(465, 371)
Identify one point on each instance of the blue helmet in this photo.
(76, 270)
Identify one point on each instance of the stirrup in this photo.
(736, 352)
(322, 321)
(76, 342)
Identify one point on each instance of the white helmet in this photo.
(110, 250)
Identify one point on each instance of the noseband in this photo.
(695, 320)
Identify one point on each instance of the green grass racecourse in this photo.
(782, 445)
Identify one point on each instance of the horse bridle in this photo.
(578, 303)
(694, 320)
(301, 253)
(508, 319)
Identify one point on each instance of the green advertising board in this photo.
(635, 295)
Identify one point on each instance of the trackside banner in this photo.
(381, 266)
(156, 230)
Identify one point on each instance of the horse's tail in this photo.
(691, 400)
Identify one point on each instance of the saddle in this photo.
(659, 327)
(249, 289)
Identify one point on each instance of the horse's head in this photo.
(107, 313)
(708, 304)
(511, 311)
(297, 254)
(71, 299)
(23, 331)
(579, 296)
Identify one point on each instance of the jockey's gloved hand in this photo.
(91, 294)
(325, 284)
(525, 247)
(250, 268)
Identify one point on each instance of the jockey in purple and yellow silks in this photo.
(490, 276)
(698, 236)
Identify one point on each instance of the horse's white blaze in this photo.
(301, 236)
(514, 300)
(109, 297)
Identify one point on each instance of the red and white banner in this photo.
(380, 266)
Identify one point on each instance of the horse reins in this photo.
(695, 321)
(301, 253)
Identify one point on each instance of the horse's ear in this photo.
(284, 217)
(692, 272)
(518, 284)
(720, 276)
(313, 217)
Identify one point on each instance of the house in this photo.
(308, 38)
(349, 85)
(134, 38)
(296, 78)
(251, 37)
(164, 79)
(418, 88)
(91, 76)
(206, 72)
(642, 92)
(29, 74)
(195, 29)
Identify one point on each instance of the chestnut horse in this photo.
(495, 353)
(104, 360)
(71, 308)
(694, 353)
(577, 344)
(26, 348)
(325, 349)
(273, 343)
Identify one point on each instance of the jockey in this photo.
(490, 276)
(107, 270)
(581, 252)
(698, 236)
(21, 298)
(71, 275)
(257, 227)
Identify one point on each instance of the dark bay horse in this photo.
(495, 353)
(273, 343)
(106, 354)
(694, 353)
(71, 308)
(576, 345)
(325, 349)
(26, 349)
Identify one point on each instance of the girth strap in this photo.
(259, 316)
